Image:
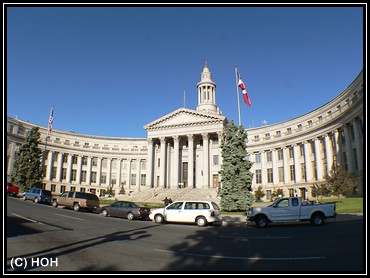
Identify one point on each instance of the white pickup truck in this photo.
(291, 209)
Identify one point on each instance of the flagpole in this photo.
(237, 94)
(46, 141)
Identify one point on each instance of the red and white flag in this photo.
(50, 126)
(244, 91)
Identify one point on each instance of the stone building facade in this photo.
(182, 149)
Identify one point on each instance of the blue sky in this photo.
(109, 71)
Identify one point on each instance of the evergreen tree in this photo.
(27, 170)
(235, 172)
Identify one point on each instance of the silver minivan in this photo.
(201, 213)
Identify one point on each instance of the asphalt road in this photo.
(41, 238)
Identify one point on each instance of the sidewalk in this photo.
(240, 219)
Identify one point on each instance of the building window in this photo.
(292, 172)
(104, 163)
(301, 150)
(281, 174)
(355, 158)
(269, 175)
(65, 157)
(291, 152)
(84, 160)
(303, 171)
(74, 174)
(54, 173)
(299, 127)
(93, 177)
(83, 176)
(269, 156)
(319, 119)
(280, 154)
(133, 179)
(143, 180)
(103, 178)
(309, 123)
(94, 161)
(74, 159)
(62, 188)
(258, 176)
(258, 157)
(64, 173)
(215, 159)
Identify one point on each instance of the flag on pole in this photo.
(50, 126)
(244, 91)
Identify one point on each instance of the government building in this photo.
(181, 155)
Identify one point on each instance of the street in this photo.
(43, 238)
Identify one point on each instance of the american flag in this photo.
(50, 127)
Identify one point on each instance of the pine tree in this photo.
(235, 172)
(27, 170)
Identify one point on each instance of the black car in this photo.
(126, 209)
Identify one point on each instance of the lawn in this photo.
(346, 205)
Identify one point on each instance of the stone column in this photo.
(348, 149)
(138, 173)
(318, 159)
(286, 165)
(307, 161)
(50, 165)
(109, 170)
(297, 166)
(128, 177)
(60, 167)
(176, 150)
(337, 147)
(190, 160)
(98, 172)
(79, 167)
(88, 170)
(205, 160)
(358, 143)
(329, 153)
(69, 168)
(149, 166)
(162, 176)
(275, 170)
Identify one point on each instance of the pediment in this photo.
(184, 117)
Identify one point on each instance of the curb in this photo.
(241, 220)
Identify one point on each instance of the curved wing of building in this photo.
(182, 150)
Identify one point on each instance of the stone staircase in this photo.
(156, 195)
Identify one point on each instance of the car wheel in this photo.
(104, 213)
(130, 216)
(201, 221)
(55, 204)
(317, 219)
(76, 207)
(36, 200)
(159, 218)
(261, 221)
(24, 198)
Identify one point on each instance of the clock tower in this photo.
(207, 92)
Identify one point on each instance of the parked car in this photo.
(38, 195)
(77, 200)
(11, 189)
(292, 209)
(126, 209)
(201, 213)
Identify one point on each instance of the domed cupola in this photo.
(206, 92)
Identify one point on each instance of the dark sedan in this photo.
(126, 209)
